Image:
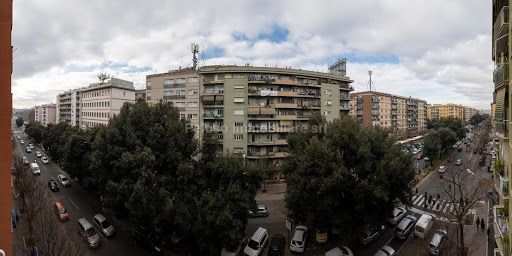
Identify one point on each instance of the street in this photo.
(432, 184)
(80, 204)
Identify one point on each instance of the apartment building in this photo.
(181, 88)
(440, 111)
(140, 94)
(251, 110)
(45, 114)
(502, 115)
(404, 116)
(469, 112)
(102, 101)
(68, 107)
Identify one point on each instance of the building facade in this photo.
(441, 111)
(251, 110)
(102, 101)
(181, 88)
(469, 112)
(405, 117)
(68, 107)
(502, 116)
(45, 114)
(140, 94)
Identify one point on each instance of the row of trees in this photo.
(147, 176)
(443, 134)
(345, 177)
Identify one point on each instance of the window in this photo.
(238, 137)
(238, 100)
(239, 124)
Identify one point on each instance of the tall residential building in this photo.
(502, 116)
(440, 111)
(181, 88)
(68, 107)
(469, 112)
(102, 101)
(404, 116)
(45, 114)
(251, 110)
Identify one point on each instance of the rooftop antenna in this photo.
(370, 81)
(194, 47)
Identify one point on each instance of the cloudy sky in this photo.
(437, 50)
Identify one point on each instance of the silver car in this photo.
(386, 251)
(103, 225)
(437, 242)
(64, 181)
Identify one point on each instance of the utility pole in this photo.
(194, 47)
(370, 81)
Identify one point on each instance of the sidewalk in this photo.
(274, 192)
(476, 239)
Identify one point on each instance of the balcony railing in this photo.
(501, 228)
(501, 23)
(261, 110)
(213, 116)
(501, 75)
(502, 129)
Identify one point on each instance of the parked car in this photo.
(458, 162)
(35, 169)
(398, 214)
(61, 212)
(64, 181)
(406, 225)
(337, 251)
(28, 150)
(261, 210)
(87, 232)
(31, 146)
(371, 233)
(44, 159)
(298, 242)
(386, 251)
(103, 225)
(38, 154)
(22, 142)
(25, 160)
(423, 225)
(53, 185)
(257, 243)
(438, 240)
(236, 251)
(442, 169)
(277, 244)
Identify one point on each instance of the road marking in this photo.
(446, 206)
(73, 203)
(417, 199)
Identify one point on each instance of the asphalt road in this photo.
(80, 204)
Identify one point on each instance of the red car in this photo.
(61, 212)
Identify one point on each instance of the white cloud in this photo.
(443, 46)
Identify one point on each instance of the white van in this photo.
(256, 244)
(35, 169)
(423, 225)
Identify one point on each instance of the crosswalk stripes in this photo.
(441, 206)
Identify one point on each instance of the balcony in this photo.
(213, 92)
(501, 23)
(251, 110)
(260, 155)
(212, 116)
(286, 105)
(502, 129)
(287, 94)
(345, 107)
(285, 81)
(268, 143)
(501, 76)
(501, 227)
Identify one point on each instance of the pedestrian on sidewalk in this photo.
(488, 231)
(477, 222)
(482, 224)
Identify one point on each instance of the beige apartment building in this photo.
(501, 31)
(440, 111)
(102, 101)
(469, 112)
(140, 94)
(181, 87)
(45, 114)
(405, 117)
(251, 110)
(68, 107)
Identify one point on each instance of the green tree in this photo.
(438, 142)
(55, 138)
(76, 159)
(345, 164)
(19, 121)
(454, 124)
(35, 131)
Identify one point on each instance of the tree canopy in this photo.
(455, 125)
(345, 177)
(19, 121)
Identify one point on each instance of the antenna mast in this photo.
(370, 81)
(195, 50)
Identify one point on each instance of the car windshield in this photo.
(90, 232)
(253, 245)
(105, 224)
